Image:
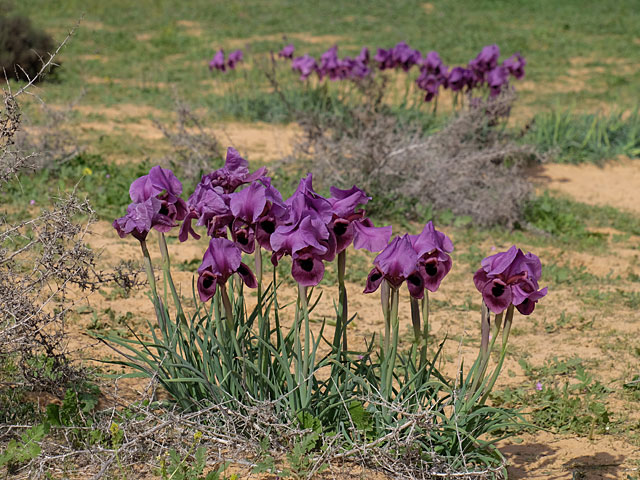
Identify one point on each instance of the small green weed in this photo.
(577, 138)
(562, 397)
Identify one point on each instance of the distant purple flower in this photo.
(363, 56)
(510, 277)
(305, 65)
(404, 56)
(433, 64)
(234, 58)
(515, 65)
(496, 79)
(330, 65)
(459, 78)
(287, 51)
(32, 202)
(430, 83)
(384, 58)
(539, 386)
(217, 62)
(221, 260)
(487, 59)
(434, 262)
(397, 263)
(107, 176)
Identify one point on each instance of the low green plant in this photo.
(561, 396)
(577, 138)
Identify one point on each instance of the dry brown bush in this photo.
(471, 166)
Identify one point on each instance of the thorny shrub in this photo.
(42, 261)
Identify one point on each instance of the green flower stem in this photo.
(503, 353)
(148, 266)
(425, 327)
(384, 299)
(166, 268)
(415, 319)
(390, 354)
(305, 389)
(495, 329)
(344, 309)
(228, 310)
(258, 263)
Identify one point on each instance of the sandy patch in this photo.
(191, 28)
(302, 36)
(263, 141)
(616, 184)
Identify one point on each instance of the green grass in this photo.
(550, 34)
(576, 138)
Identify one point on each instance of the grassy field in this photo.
(580, 54)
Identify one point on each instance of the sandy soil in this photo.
(617, 183)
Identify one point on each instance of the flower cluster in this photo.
(218, 61)
(508, 278)
(330, 64)
(422, 260)
(308, 227)
(482, 71)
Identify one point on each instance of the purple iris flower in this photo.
(404, 56)
(221, 260)
(459, 77)
(307, 267)
(217, 62)
(234, 173)
(234, 58)
(156, 204)
(256, 210)
(287, 51)
(305, 65)
(430, 83)
(384, 59)
(488, 57)
(331, 65)
(510, 277)
(363, 56)
(397, 263)
(515, 65)
(433, 248)
(496, 79)
(433, 64)
(209, 202)
(138, 220)
(349, 224)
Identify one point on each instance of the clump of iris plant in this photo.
(422, 261)
(507, 281)
(243, 213)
